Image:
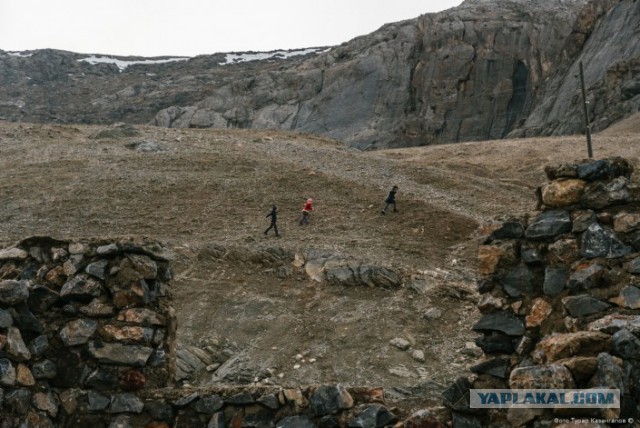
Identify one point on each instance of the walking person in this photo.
(306, 212)
(391, 200)
(274, 217)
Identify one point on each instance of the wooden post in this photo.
(586, 113)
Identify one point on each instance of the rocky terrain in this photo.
(355, 297)
(484, 70)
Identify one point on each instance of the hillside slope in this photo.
(206, 194)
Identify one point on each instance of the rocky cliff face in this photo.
(483, 70)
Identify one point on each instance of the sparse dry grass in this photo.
(212, 186)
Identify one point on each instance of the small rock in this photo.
(78, 332)
(541, 377)
(583, 305)
(629, 297)
(13, 292)
(400, 343)
(125, 403)
(566, 345)
(13, 254)
(549, 224)
(432, 314)
(418, 355)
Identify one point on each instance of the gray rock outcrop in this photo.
(487, 69)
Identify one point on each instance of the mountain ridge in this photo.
(486, 69)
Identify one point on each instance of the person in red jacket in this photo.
(306, 211)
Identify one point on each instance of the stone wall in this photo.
(560, 297)
(87, 339)
(84, 328)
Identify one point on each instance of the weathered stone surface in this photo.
(530, 255)
(97, 400)
(78, 332)
(456, 397)
(600, 242)
(562, 193)
(564, 170)
(13, 292)
(504, 321)
(7, 373)
(25, 320)
(488, 257)
(301, 421)
(46, 402)
(98, 268)
(125, 403)
(5, 319)
(540, 310)
(116, 353)
(496, 343)
(608, 373)
(625, 345)
(378, 276)
(142, 316)
(126, 333)
(144, 265)
(488, 303)
(400, 343)
(629, 297)
(549, 224)
(626, 222)
(374, 415)
(98, 309)
(566, 345)
(16, 347)
(498, 367)
(612, 323)
(541, 377)
(159, 410)
(107, 250)
(330, 399)
(217, 421)
(209, 404)
(81, 288)
(242, 399)
(600, 194)
(634, 266)
(41, 298)
(39, 346)
(582, 368)
(45, 369)
(583, 305)
(595, 170)
(13, 254)
(18, 401)
(564, 251)
(585, 277)
(555, 278)
(24, 376)
(519, 417)
(518, 281)
(582, 220)
(508, 230)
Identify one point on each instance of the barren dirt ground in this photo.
(213, 187)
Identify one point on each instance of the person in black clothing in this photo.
(391, 200)
(274, 217)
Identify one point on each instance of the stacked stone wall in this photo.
(85, 328)
(560, 299)
(87, 339)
